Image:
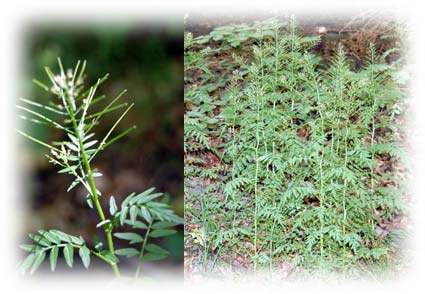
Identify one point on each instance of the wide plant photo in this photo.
(294, 160)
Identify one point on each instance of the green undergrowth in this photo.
(290, 158)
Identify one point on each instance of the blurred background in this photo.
(147, 60)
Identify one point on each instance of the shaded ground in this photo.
(355, 33)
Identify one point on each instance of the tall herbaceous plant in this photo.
(137, 219)
(304, 145)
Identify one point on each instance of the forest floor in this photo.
(355, 33)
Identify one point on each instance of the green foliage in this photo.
(235, 35)
(69, 111)
(51, 241)
(302, 145)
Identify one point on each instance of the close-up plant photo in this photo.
(101, 147)
(295, 147)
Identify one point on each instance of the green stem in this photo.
(142, 251)
(204, 210)
(255, 208)
(260, 116)
(273, 152)
(282, 202)
(257, 163)
(101, 257)
(345, 191)
(233, 169)
(106, 228)
(321, 172)
(372, 139)
(321, 206)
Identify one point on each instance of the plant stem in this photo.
(322, 122)
(282, 202)
(260, 116)
(345, 190)
(108, 230)
(372, 139)
(274, 221)
(321, 206)
(142, 250)
(257, 163)
(233, 162)
(273, 152)
(204, 210)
